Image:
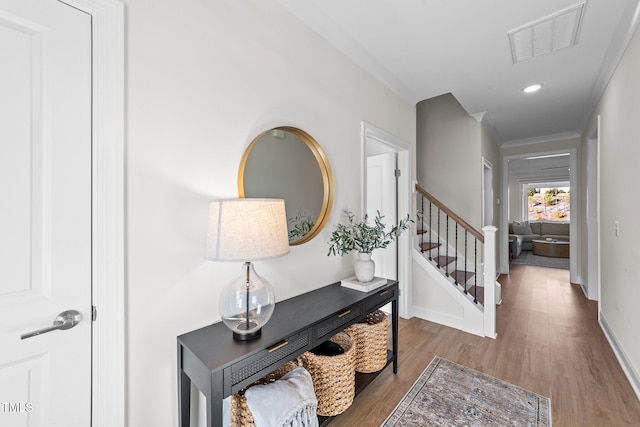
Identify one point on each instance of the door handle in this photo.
(65, 320)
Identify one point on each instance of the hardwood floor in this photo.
(549, 342)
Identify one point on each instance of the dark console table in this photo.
(219, 365)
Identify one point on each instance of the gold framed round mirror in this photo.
(287, 163)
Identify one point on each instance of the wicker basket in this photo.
(239, 410)
(333, 376)
(370, 336)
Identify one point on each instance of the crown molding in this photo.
(541, 139)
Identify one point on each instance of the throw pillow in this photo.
(289, 401)
(522, 229)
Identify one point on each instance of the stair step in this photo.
(427, 246)
(461, 276)
(479, 294)
(421, 231)
(444, 260)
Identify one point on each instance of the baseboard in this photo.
(438, 317)
(627, 367)
(584, 290)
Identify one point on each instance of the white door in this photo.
(45, 215)
(382, 197)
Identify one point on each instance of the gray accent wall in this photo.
(449, 156)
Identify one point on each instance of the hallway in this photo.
(549, 342)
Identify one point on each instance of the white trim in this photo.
(592, 217)
(405, 191)
(525, 184)
(478, 117)
(108, 377)
(625, 363)
(486, 164)
(490, 297)
(574, 235)
(438, 317)
(541, 139)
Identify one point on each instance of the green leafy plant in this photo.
(363, 237)
(299, 226)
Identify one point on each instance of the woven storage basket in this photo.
(239, 410)
(334, 377)
(370, 336)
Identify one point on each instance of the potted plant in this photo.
(364, 238)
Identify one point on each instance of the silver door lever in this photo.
(65, 320)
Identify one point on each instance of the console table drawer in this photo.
(380, 298)
(335, 324)
(245, 372)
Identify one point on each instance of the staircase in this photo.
(458, 257)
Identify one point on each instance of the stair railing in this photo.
(466, 279)
(485, 295)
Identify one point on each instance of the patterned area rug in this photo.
(528, 258)
(448, 394)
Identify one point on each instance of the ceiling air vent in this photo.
(546, 35)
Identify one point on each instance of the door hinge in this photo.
(397, 173)
(94, 313)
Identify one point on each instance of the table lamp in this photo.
(247, 230)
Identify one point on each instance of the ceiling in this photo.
(426, 48)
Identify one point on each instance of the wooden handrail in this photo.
(450, 213)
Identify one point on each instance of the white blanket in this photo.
(290, 401)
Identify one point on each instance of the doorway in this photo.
(513, 207)
(386, 186)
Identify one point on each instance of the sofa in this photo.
(522, 234)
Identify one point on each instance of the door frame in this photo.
(108, 332)
(405, 190)
(487, 168)
(591, 257)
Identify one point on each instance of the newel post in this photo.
(490, 281)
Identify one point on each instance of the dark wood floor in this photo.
(548, 342)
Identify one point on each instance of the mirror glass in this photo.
(287, 163)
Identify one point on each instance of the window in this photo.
(548, 203)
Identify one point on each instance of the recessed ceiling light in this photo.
(532, 88)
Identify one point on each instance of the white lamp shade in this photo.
(247, 230)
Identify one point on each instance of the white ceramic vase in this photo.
(365, 267)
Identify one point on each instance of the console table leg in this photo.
(184, 394)
(394, 333)
(214, 401)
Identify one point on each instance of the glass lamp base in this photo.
(247, 304)
(246, 331)
(247, 337)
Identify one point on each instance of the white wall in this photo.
(620, 255)
(203, 79)
(449, 156)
